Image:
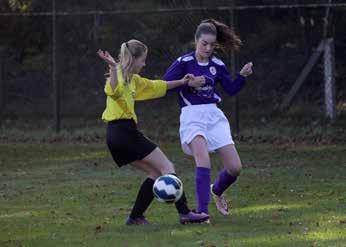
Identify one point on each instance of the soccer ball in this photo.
(168, 188)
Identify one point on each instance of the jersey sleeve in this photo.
(118, 90)
(149, 89)
(175, 72)
(232, 87)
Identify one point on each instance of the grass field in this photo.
(63, 194)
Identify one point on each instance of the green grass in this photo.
(63, 194)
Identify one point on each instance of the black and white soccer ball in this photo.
(168, 188)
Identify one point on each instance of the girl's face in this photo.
(139, 63)
(205, 45)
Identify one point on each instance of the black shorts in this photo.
(126, 143)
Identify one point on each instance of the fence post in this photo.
(56, 86)
(233, 67)
(2, 84)
(329, 79)
(301, 78)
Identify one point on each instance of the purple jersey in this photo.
(214, 71)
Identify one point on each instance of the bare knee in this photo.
(153, 174)
(158, 160)
(166, 167)
(169, 168)
(235, 169)
(149, 170)
(202, 160)
(200, 152)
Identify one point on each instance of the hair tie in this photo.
(207, 21)
(127, 45)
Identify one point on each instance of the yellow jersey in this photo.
(120, 103)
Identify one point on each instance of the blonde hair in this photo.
(129, 51)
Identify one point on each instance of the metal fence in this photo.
(50, 74)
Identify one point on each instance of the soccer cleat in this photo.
(204, 222)
(137, 221)
(220, 202)
(192, 217)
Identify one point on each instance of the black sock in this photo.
(144, 197)
(181, 204)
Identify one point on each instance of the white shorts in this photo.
(208, 121)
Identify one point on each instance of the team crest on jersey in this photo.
(212, 70)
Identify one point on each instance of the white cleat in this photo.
(220, 202)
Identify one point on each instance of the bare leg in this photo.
(158, 160)
(200, 153)
(232, 164)
(230, 159)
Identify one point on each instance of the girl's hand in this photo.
(246, 70)
(107, 58)
(187, 78)
(196, 81)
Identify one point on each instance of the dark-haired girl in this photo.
(203, 126)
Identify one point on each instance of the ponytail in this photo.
(129, 51)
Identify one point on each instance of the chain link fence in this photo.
(278, 37)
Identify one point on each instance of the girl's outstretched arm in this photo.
(112, 67)
(189, 80)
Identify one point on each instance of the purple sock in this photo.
(223, 181)
(202, 181)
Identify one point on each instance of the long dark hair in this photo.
(225, 35)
